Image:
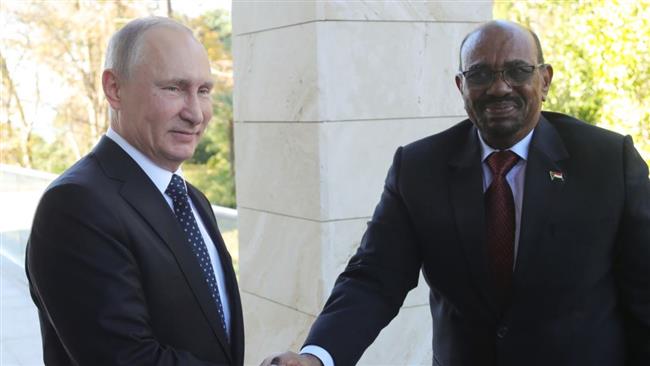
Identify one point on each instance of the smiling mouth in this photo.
(189, 133)
(184, 136)
(500, 108)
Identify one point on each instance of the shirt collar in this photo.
(159, 176)
(520, 148)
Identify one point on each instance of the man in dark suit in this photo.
(532, 230)
(125, 260)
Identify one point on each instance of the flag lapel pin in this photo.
(556, 175)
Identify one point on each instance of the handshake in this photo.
(292, 359)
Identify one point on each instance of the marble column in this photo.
(325, 91)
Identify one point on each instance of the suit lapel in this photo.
(545, 152)
(144, 197)
(466, 187)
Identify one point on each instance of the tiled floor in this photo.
(20, 339)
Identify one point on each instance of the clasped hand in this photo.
(291, 359)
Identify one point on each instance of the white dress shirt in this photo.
(160, 178)
(515, 178)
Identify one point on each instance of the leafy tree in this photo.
(600, 54)
(66, 41)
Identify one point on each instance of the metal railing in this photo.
(20, 191)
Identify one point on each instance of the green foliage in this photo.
(214, 180)
(211, 168)
(600, 54)
(218, 21)
(54, 157)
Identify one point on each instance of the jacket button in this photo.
(502, 331)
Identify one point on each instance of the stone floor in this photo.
(20, 339)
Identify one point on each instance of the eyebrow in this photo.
(518, 63)
(507, 64)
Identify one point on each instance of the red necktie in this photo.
(500, 219)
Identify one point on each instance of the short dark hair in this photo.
(538, 45)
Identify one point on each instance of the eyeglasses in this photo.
(513, 76)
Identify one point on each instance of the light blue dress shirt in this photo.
(515, 177)
(161, 178)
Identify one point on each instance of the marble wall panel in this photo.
(271, 328)
(321, 171)
(340, 241)
(280, 259)
(260, 15)
(312, 254)
(278, 168)
(356, 157)
(275, 75)
(340, 71)
(256, 16)
(404, 11)
(377, 70)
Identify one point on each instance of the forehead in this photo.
(497, 46)
(168, 52)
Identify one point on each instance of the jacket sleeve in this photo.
(87, 286)
(633, 262)
(371, 289)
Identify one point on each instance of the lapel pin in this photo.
(556, 175)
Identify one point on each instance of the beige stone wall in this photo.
(325, 91)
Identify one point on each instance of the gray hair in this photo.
(124, 46)
(123, 52)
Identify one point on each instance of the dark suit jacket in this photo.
(113, 277)
(581, 288)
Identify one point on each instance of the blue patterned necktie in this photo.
(183, 211)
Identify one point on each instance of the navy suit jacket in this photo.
(581, 287)
(113, 277)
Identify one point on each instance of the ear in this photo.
(459, 83)
(111, 86)
(547, 77)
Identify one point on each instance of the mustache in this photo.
(483, 103)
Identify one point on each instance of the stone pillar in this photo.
(325, 91)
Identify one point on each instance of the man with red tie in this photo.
(531, 228)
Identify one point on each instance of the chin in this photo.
(502, 128)
(180, 156)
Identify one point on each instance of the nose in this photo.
(192, 111)
(500, 85)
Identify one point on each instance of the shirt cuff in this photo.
(320, 353)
